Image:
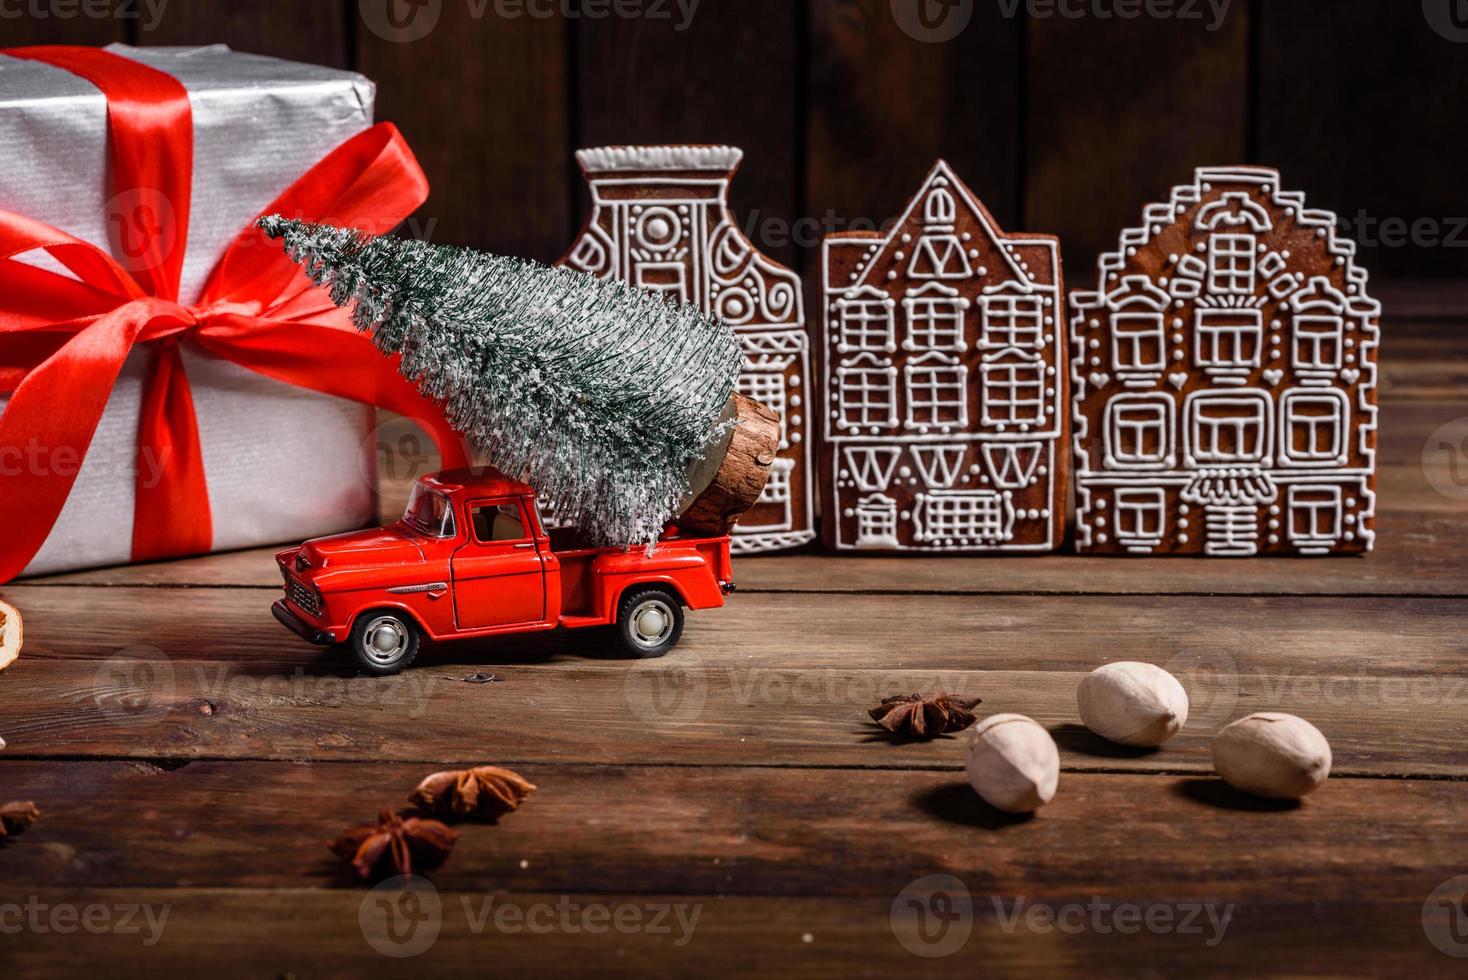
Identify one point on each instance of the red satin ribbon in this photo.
(63, 340)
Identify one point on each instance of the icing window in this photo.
(1014, 392)
(1013, 321)
(866, 324)
(1228, 430)
(936, 394)
(1140, 515)
(1137, 342)
(1231, 265)
(867, 396)
(1314, 427)
(1137, 432)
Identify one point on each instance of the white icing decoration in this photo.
(936, 369)
(640, 159)
(686, 243)
(1286, 447)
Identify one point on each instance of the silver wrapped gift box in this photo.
(282, 463)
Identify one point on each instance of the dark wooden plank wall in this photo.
(1357, 102)
(1119, 112)
(726, 78)
(1063, 124)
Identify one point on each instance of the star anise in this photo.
(917, 716)
(17, 818)
(484, 791)
(396, 845)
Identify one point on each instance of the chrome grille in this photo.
(302, 596)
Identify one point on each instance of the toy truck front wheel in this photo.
(649, 622)
(384, 641)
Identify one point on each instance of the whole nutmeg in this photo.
(17, 817)
(1272, 754)
(1133, 703)
(11, 634)
(1013, 763)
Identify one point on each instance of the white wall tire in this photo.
(649, 622)
(384, 641)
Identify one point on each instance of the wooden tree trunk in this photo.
(728, 481)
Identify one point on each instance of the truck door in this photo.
(499, 574)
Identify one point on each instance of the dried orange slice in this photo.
(10, 635)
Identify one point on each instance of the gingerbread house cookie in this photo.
(944, 382)
(1224, 380)
(661, 220)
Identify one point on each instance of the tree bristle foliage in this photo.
(597, 394)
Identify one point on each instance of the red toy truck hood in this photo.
(360, 549)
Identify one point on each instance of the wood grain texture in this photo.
(1423, 532)
(691, 713)
(945, 630)
(317, 933)
(740, 478)
(1423, 299)
(723, 74)
(1428, 362)
(1359, 147)
(202, 769)
(885, 106)
(482, 100)
(25, 24)
(312, 32)
(590, 829)
(1419, 554)
(1120, 111)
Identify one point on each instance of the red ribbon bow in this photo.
(63, 340)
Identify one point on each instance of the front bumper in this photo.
(300, 627)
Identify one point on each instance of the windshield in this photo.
(429, 511)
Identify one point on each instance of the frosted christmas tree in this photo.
(616, 406)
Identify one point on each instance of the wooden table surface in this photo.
(728, 809)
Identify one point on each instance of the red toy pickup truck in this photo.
(471, 558)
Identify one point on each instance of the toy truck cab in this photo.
(471, 557)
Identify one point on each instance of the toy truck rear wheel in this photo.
(649, 622)
(384, 641)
